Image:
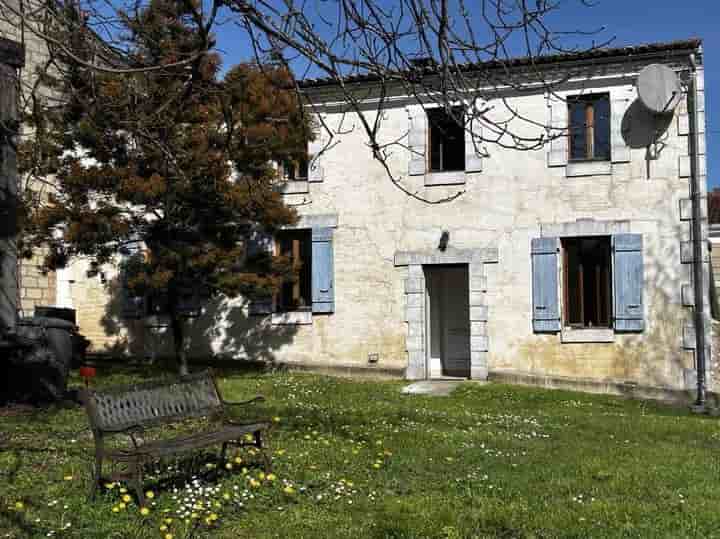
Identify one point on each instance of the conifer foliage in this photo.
(167, 168)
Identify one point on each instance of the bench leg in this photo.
(137, 479)
(263, 450)
(96, 477)
(223, 453)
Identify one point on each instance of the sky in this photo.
(626, 22)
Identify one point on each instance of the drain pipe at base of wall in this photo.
(698, 278)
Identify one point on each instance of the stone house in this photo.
(569, 265)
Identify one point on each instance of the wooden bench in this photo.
(130, 410)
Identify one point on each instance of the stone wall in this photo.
(515, 197)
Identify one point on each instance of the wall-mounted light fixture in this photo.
(444, 238)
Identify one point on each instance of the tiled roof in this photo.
(591, 54)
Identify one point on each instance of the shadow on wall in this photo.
(223, 331)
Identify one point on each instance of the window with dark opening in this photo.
(447, 140)
(587, 282)
(589, 127)
(296, 169)
(295, 293)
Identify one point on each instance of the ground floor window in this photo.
(587, 268)
(296, 293)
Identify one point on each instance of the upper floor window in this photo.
(447, 139)
(589, 121)
(295, 169)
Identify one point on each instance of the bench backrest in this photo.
(152, 403)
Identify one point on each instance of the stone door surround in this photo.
(415, 305)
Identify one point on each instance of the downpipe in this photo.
(698, 277)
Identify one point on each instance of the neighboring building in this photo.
(569, 266)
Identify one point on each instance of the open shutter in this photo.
(473, 140)
(258, 242)
(628, 282)
(620, 151)
(546, 312)
(316, 171)
(558, 122)
(323, 293)
(417, 139)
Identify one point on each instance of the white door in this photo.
(449, 321)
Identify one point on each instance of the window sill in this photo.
(292, 318)
(454, 177)
(588, 168)
(587, 335)
(294, 187)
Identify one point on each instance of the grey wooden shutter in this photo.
(546, 311)
(619, 150)
(628, 282)
(323, 293)
(558, 123)
(258, 242)
(417, 139)
(316, 170)
(473, 139)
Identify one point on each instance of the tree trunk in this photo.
(179, 341)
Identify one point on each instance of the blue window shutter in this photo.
(546, 311)
(323, 289)
(628, 306)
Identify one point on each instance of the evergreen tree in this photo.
(176, 161)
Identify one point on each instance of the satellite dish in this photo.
(659, 88)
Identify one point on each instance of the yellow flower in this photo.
(19, 505)
(213, 516)
(276, 419)
(126, 498)
(109, 486)
(116, 509)
(289, 490)
(376, 465)
(249, 437)
(228, 465)
(168, 536)
(271, 477)
(168, 521)
(193, 515)
(121, 505)
(150, 494)
(254, 482)
(238, 460)
(163, 527)
(261, 476)
(226, 496)
(144, 511)
(68, 478)
(123, 490)
(280, 452)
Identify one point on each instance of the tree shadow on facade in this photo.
(223, 331)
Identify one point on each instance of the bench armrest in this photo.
(259, 398)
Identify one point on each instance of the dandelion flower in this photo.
(213, 516)
(150, 494)
(276, 419)
(238, 460)
(123, 490)
(19, 505)
(109, 486)
(261, 476)
(289, 490)
(116, 509)
(271, 477)
(144, 511)
(228, 465)
(68, 478)
(163, 527)
(226, 496)
(376, 465)
(168, 536)
(126, 498)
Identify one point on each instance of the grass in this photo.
(358, 459)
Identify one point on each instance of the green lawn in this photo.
(358, 459)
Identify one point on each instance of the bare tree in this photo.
(444, 52)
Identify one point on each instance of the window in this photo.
(296, 293)
(587, 282)
(295, 169)
(447, 140)
(589, 119)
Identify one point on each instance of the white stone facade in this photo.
(382, 239)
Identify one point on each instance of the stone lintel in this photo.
(487, 255)
(584, 227)
(329, 220)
